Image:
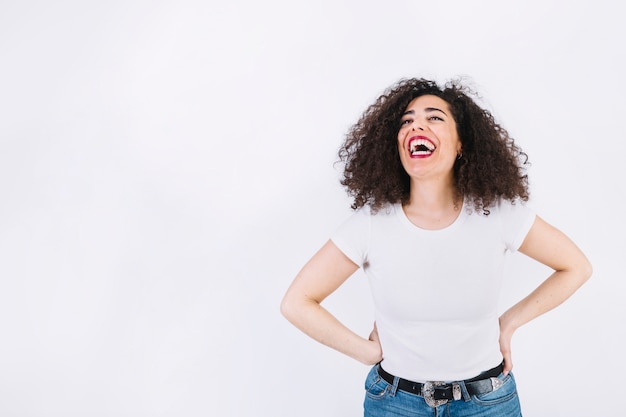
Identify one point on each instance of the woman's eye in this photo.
(436, 118)
(404, 122)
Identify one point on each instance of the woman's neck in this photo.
(432, 206)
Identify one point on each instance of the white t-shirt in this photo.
(435, 292)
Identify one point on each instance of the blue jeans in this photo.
(386, 400)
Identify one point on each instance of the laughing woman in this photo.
(439, 193)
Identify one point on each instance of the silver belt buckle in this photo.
(428, 392)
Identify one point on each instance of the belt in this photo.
(438, 393)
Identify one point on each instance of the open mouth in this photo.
(421, 146)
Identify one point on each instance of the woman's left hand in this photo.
(505, 346)
(549, 246)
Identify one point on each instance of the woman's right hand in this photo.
(376, 354)
(301, 305)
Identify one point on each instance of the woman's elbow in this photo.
(582, 270)
(587, 270)
(296, 307)
(286, 308)
(290, 306)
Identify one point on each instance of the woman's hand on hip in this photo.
(505, 345)
(376, 354)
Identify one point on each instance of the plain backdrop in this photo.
(166, 168)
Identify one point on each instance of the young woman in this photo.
(439, 191)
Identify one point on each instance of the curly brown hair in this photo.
(492, 166)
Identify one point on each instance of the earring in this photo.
(459, 156)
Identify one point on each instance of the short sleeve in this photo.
(516, 219)
(352, 237)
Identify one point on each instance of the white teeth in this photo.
(421, 147)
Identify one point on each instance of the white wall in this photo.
(166, 169)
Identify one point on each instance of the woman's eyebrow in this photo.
(427, 109)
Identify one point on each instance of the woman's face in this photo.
(428, 142)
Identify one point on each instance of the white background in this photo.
(166, 167)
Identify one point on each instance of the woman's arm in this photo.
(323, 274)
(552, 248)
